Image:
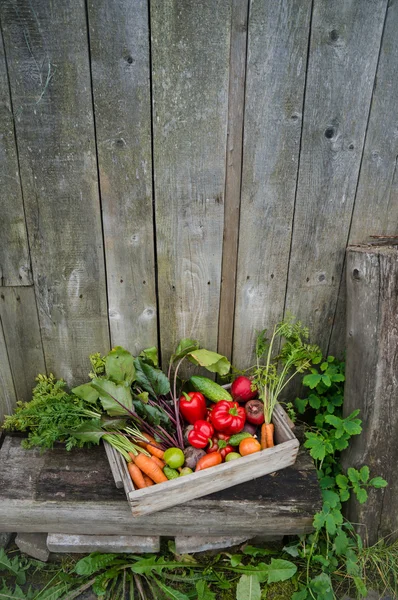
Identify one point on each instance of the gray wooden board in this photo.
(236, 99)
(190, 60)
(371, 383)
(61, 542)
(75, 493)
(47, 54)
(14, 249)
(7, 390)
(119, 42)
(376, 201)
(344, 47)
(277, 52)
(18, 313)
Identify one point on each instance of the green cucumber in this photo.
(170, 473)
(210, 389)
(236, 439)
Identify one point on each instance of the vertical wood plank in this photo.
(47, 53)
(344, 47)
(119, 42)
(236, 102)
(14, 249)
(7, 391)
(277, 53)
(18, 313)
(190, 68)
(371, 383)
(376, 202)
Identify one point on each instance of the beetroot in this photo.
(255, 412)
(241, 389)
(250, 427)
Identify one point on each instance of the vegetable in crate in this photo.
(294, 356)
(201, 433)
(219, 443)
(193, 407)
(209, 460)
(228, 417)
(242, 389)
(254, 410)
(210, 389)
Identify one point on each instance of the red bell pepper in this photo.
(219, 443)
(201, 434)
(228, 417)
(193, 407)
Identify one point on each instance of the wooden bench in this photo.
(73, 493)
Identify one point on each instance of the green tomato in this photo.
(185, 471)
(174, 457)
(232, 456)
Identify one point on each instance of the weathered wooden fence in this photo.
(190, 168)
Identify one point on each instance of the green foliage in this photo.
(334, 546)
(213, 362)
(151, 379)
(119, 366)
(295, 356)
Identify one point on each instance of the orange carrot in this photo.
(158, 461)
(136, 475)
(263, 439)
(148, 480)
(154, 450)
(267, 435)
(149, 467)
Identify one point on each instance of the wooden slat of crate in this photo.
(74, 493)
(61, 542)
(208, 481)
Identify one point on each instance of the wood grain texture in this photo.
(119, 42)
(190, 72)
(14, 249)
(376, 201)
(18, 313)
(74, 493)
(372, 383)
(344, 47)
(277, 52)
(113, 465)
(7, 390)
(236, 102)
(47, 54)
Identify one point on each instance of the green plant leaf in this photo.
(334, 421)
(93, 563)
(378, 482)
(326, 482)
(316, 446)
(170, 592)
(213, 362)
(312, 380)
(119, 365)
(353, 475)
(353, 427)
(150, 355)
(248, 588)
(152, 380)
(364, 473)
(361, 587)
(184, 347)
(322, 586)
(303, 594)
(86, 392)
(330, 524)
(341, 542)
(319, 520)
(15, 594)
(235, 560)
(362, 495)
(341, 481)
(115, 399)
(12, 566)
(326, 380)
(204, 592)
(337, 377)
(292, 550)
(280, 570)
(344, 495)
(330, 498)
(90, 432)
(253, 551)
(301, 405)
(314, 401)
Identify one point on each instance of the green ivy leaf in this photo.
(330, 498)
(312, 380)
(301, 405)
(316, 446)
(319, 520)
(334, 421)
(364, 473)
(248, 588)
(341, 481)
(378, 482)
(330, 524)
(315, 401)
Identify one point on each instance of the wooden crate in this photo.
(183, 489)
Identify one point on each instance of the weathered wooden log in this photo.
(372, 382)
